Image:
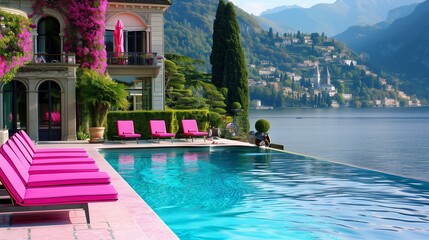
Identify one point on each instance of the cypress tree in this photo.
(217, 55)
(235, 62)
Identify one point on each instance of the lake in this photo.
(388, 140)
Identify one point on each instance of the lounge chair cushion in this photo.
(60, 155)
(158, 129)
(126, 129)
(20, 151)
(26, 140)
(62, 161)
(63, 168)
(69, 195)
(59, 179)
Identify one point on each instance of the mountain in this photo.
(189, 28)
(355, 36)
(334, 18)
(403, 48)
(278, 9)
(188, 32)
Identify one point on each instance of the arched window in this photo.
(15, 106)
(48, 39)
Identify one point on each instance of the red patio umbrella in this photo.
(118, 36)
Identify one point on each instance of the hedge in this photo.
(141, 120)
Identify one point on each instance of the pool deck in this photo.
(128, 218)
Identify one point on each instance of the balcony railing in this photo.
(131, 58)
(113, 58)
(54, 58)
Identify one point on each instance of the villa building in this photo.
(41, 99)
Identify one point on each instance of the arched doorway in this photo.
(15, 106)
(49, 111)
(48, 39)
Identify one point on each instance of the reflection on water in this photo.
(252, 193)
(388, 140)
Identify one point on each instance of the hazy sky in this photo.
(258, 6)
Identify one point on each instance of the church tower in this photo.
(328, 76)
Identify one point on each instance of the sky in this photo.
(257, 6)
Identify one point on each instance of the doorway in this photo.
(49, 111)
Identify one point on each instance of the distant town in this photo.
(311, 82)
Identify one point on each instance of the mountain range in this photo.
(400, 47)
(394, 45)
(331, 19)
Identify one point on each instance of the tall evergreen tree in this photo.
(217, 55)
(235, 62)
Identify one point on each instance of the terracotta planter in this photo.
(96, 134)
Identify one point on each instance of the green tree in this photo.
(270, 33)
(235, 62)
(217, 55)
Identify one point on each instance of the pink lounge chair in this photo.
(43, 155)
(158, 130)
(18, 158)
(190, 129)
(25, 139)
(126, 130)
(18, 148)
(56, 179)
(25, 199)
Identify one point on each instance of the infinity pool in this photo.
(255, 193)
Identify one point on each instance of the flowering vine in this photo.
(15, 44)
(84, 33)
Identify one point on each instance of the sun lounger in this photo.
(18, 158)
(190, 129)
(57, 179)
(158, 130)
(27, 199)
(18, 148)
(27, 140)
(126, 130)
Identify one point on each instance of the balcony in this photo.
(131, 58)
(54, 58)
(133, 63)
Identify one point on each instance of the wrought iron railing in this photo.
(54, 58)
(113, 58)
(131, 58)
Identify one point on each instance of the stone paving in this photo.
(128, 218)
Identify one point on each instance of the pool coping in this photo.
(128, 218)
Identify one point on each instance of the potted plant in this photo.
(97, 93)
(261, 137)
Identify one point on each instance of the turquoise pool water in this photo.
(254, 193)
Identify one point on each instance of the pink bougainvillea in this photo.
(85, 29)
(15, 45)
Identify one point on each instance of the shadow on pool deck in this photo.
(128, 218)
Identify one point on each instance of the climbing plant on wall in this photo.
(84, 33)
(15, 44)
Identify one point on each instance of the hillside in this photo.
(189, 28)
(402, 48)
(274, 59)
(334, 18)
(356, 36)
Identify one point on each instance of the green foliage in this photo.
(262, 125)
(227, 57)
(217, 55)
(236, 105)
(15, 44)
(188, 88)
(98, 93)
(215, 119)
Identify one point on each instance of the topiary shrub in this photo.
(262, 125)
(236, 105)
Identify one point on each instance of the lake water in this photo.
(394, 141)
